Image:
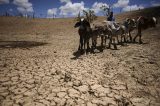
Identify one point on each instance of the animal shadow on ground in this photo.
(20, 44)
(123, 44)
(77, 54)
(99, 49)
(143, 43)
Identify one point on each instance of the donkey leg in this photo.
(114, 43)
(81, 41)
(105, 40)
(140, 39)
(79, 48)
(102, 41)
(94, 42)
(138, 34)
(134, 40)
(125, 38)
(84, 45)
(130, 36)
(88, 48)
(121, 39)
(117, 39)
(110, 42)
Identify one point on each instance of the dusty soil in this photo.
(38, 67)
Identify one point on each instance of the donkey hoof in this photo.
(115, 47)
(140, 42)
(134, 40)
(109, 46)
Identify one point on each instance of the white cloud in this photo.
(72, 8)
(65, 1)
(51, 12)
(121, 3)
(96, 7)
(132, 7)
(24, 6)
(4, 1)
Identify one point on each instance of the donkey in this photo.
(130, 25)
(127, 27)
(144, 23)
(84, 33)
(106, 33)
(97, 31)
(114, 29)
(102, 31)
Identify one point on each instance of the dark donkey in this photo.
(84, 33)
(144, 23)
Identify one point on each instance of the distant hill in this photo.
(149, 12)
(42, 26)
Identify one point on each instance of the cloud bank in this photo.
(71, 8)
(24, 6)
(68, 8)
(121, 3)
(96, 7)
(124, 4)
(65, 1)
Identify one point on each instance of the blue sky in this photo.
(69, 8)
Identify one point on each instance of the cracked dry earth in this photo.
(50, 75)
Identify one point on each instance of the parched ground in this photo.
(38, 68)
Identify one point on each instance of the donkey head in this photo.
(79, 23)
(153, 22)
(82, 23)
(131, 22)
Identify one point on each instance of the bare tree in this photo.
(78, 18)
(120, 10)
(89, 15)
(54, 16)
(33, 15)
(7, 14)
(106, 10)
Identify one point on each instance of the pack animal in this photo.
(144, 23)
(84, 32)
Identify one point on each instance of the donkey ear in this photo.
(155, 20)
(129, 21)
(77, 24)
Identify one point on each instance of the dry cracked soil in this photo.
(39, 68)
